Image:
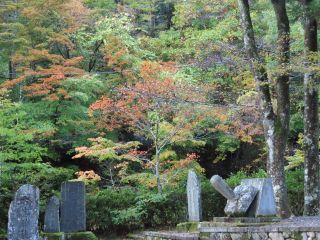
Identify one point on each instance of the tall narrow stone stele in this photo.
(51, 216)
(73, 206)
(24, 213)
(194, 197)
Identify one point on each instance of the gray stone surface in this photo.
(259, 236)
(222, 187)
(51, 217)
(170, 235)
(264, 204)
(24, 213)
(73, 206)
(239, 205)
(194, 197)
(297, 228)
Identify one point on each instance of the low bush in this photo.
(295, 183)
(127, 209)
(104, 208)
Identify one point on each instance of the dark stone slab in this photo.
(51, 217)
(73, 207)
(24, 213)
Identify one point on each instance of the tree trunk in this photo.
(158, 148)
(271, 122)
(12, 70)
(159, 185)
(311, 121)
(276, 168)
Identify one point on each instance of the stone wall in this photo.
(296, 228)
(261, 236)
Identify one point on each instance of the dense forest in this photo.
(128, 95)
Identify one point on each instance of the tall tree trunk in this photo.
(157, 146)
(311, 120)
(276, 168)
(270, 120)
(12, 70)
(159, 185)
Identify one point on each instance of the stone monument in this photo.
(194, 197)
(253, 198)
(51, 217)
(264, 204)
(24, 213)
(73, 206)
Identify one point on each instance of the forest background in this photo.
(129, 95)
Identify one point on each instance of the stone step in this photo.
(231, 224)
(171, 235)
(135, 236)
(246, 219)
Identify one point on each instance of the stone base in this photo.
(300, 228)
(288, 235)
(170, 236)
(246, 219)
(261, 236)
(69, 236)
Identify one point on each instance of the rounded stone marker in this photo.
(24, 213)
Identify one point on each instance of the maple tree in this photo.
(40, 81)
(155, 107)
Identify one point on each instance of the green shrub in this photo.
(127, 209)
(235, 179)
(167, 209)
(295, 179)
(53, 236)
(103, 208)
(212, 202)
(80, 236)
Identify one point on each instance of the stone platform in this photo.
(298, 228)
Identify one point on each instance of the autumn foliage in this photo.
(43, 81)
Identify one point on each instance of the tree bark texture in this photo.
(276, 166)
(12, 70)
(275, 125)
(311, 119)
